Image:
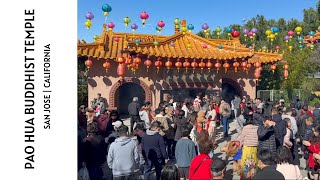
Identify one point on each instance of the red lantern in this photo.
(244, 65)
(273, 67)
(202, 65)
(257, 64)
(236, 65)
(217, 65)
(286, 74)
(235, 34)
(158, 64)
(148, 63)
(186, 65)
(226, 66)
(209, 65)
(128, 62)
(134, 67)
(178, 64)
(260, 68)
(286, 67)
(257, 74)
(121, 70)
(248, 67)
(137, 60)
(116, 39)
(88, 63)
(168, 65)
(194, 65)
(106, 65)
(120, 60)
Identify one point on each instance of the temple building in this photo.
(155, 67)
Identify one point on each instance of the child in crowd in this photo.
(184, 153)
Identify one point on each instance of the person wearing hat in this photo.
(133, 109)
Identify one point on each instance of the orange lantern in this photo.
(257, 74)
(88, 63)
(257, 64)
(186, 65)
(121, 70)
(217, 65)
(148, 63)
(120, 60)
(236, 65)
(248, 67)
(137, 60)
(158, 64)
(194, 65)
(106, 65)
(286, 74)
(178, 64)
(226, 66)
(244, 65)
(168, 65)
(134, 67)
(273, 67)
(202, 65)
(286, 67)
(209, 65)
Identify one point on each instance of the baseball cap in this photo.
(117, 124)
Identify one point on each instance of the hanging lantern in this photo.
(286, 38)
(290, 34)
(121, 70)
(190, 27)
(106, 65)
(128, 61)
(134, 27)
(257, 74)
(106, 8)
(126, 21)
(116, 39)
(144, 16)
(257, 64)
(134, 67)
(177, 23)
(272, 37)
(226, 66)
(110, 26)
(235, 34)
(194, 65)
(298, 30)
(244, 65)
(178, 65)
(158, 64)
(275, 30)
(218, 31)
(148, 63)
(278, 48)
(245, 33)
(250, 34)
(88, 63)
(290, 48)
(286, 67)
(120, 60)
(95, 37)
(273, 67)
(137, 60)
(260, 68)
(229, 31)
(248, 67)
(209, 65)
(217, 65)
(236, 65)
(202, 65)
(88, 24)
(186, 65)
(286, 74)
(168, 65)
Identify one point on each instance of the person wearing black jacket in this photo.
(133, 110)
(266, 134)
(153, 150)
(280, 126)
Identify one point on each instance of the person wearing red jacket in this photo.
(314, 147)
(200, 165)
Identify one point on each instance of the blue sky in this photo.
(214, 13)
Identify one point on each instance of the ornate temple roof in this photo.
(306, 39)
(180, 45)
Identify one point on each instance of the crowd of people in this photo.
(177, 140)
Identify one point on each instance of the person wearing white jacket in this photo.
(123, 156)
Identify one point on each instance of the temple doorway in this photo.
(125, 94)
(230, 88)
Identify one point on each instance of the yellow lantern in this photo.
(88, 24)
(298, 30)
(290, 48)
(268, 32)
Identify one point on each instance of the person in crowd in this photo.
(284, 164)
(186, 109)
(104, 125)
(313, 146)
(194, 134)
(123, 155)
(288, 138)
(90, 115)
(177, 109)
(200, 165)
(197, 103)
(236, 106)
(163, 121)
(258, 115)
(100, 100)
(216, 107)
(248, 111)
(249, 141)
(289, 114)
(218, 168)
(114, 134)
(133, 109)
(145, 114)
(266, 135)
(154, 150)
(82, 118)
(266, 164)
(211, 124)
(185, 151)
(170, 132)
(316, 113)
(94, 151)
(225, 111)
(82, 133)
(170, 172)
(280, 126)
(97, 109)
(240, 122)
(139, 131)
(205, 102)
(179, 123)
(114, 116)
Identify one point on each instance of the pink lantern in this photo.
(278, 47)
(111, 25)
(291, 33)
(161, 24)
(144, 16)
(313, 40)
(116, 39)
(250, 33)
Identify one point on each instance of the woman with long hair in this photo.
(284, 164)
(170, 172)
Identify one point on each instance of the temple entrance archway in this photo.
(230, 88)
(122, 92)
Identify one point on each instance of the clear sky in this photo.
(214, 13)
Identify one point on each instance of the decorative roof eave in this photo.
(306, 39)
(263, 57)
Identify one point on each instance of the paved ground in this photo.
(217, 153)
